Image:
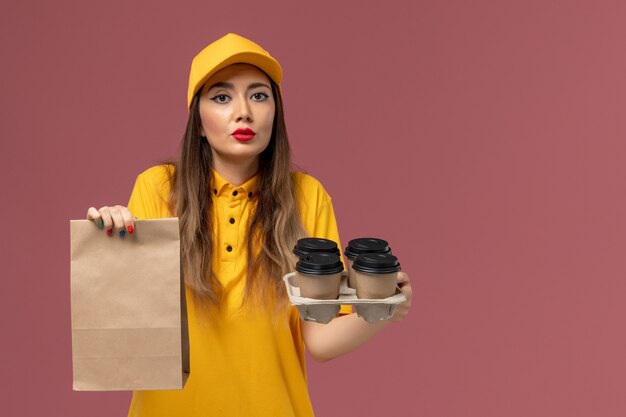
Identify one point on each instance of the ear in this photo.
(202, 133)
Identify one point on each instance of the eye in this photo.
(259, 96)
(221, 98)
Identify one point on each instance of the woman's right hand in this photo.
(112, 219)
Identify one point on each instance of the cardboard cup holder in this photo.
(323, 311)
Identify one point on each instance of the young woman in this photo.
(241, 211)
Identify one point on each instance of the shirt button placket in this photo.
(232, 235)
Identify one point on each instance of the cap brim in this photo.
(262, 61)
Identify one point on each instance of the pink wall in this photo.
(485, 140)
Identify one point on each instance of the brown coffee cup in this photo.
(376, 275)
(359, 246)
(310, 245)
(319, 275)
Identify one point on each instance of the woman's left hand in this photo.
(402, 309)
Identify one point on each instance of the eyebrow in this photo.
(230, 86)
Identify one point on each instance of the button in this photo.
(229, 248)
(232, 221)
(249, 195)
(235, 193)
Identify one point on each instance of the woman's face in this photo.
(237, 112)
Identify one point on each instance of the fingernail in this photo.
(131, 229)
(110, 232)
(100, 224)
(122, 233)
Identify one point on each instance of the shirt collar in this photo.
(223, 187)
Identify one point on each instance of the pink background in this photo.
(483, 139)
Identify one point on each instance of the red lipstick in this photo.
(243, 135)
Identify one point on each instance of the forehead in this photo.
(244, 73)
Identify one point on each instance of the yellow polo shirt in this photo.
(244, 363)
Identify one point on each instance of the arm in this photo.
(346, 333)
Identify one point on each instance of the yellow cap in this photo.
(227, 50)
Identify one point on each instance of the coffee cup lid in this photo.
(309, 245)
(320, 264)
(366, 245)
(376, 263)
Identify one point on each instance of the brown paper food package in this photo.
(129, 318)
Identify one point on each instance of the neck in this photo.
(236, 172)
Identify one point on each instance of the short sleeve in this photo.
(326, 224)
(318, 215)
(326, 227)
(149, 198)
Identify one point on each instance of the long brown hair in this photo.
(273, 228)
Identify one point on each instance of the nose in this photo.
(243, 111)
